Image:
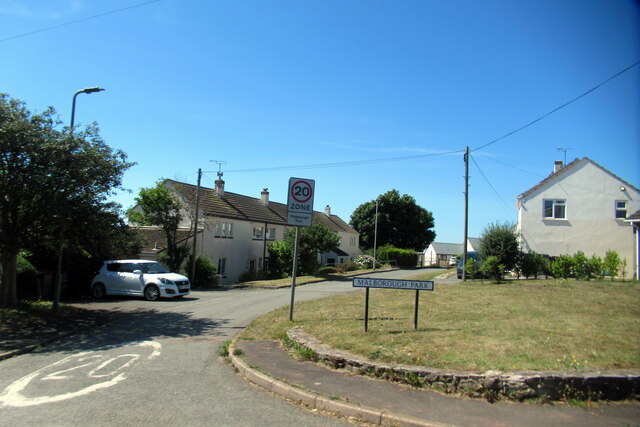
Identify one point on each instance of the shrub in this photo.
(205, 272)
(349, 266)
(329, 270)
(471, 268)
(364, 261)
(500, 240)
(406, 258)
(562, 267)
(596, 267)
(26, 279)
(491, 267)
(581, 266)
(611, 263)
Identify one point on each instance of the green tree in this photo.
(401, 222)
(158, 206)
(491, 267)
(313, 240)
(50, 182)
(500, 240)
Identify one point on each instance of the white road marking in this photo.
(107, 371)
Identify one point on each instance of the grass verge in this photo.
(514, 326)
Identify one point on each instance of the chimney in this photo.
(327, 210)
(557, 165)
(220, 187)
(265, 196)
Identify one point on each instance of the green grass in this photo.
(302, 280)
(513, 326)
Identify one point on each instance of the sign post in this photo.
(366, 282)
(299, 214)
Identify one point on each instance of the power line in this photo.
(78, 20)
(510, 210)
(559, 108)
(344, 164)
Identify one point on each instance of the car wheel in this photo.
(152, 293)
(98, 290)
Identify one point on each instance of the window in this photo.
(271, 233)
(257, 233)
(621, 209)
(222, 264)
(223, 229)
(352, 241)
(556, 209)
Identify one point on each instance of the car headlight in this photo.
(166, 281)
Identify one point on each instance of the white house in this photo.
(438, 254)
(580, 207)
(634, 220)
(235, 230)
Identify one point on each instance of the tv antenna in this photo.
(220, 163)
(564, 149)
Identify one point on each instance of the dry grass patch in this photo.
(519, 325)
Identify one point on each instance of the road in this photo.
(156, 363)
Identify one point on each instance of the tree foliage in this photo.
(158, 206)
(500, 240)
(401, 222)
(313, 240)
(52, 184)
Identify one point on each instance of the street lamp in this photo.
(58, 283)
(73, 105)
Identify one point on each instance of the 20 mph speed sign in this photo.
(300, 201)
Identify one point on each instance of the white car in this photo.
(138, 277)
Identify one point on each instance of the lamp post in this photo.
(58, 284)
(86, 90)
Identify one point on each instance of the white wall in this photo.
(590, 224)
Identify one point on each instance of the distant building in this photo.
(580, 207)
(235, 230)
(438, 254)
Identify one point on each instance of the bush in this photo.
(349, 266)
(406, 258)
(596, 267)
(562, 267)
(500, 240)
(532, 264)
(491, 267)
(250, 276)
(364, 261)
(205, 273)
(27, 285)
(329, 270)
(611, 263)
(471, 268)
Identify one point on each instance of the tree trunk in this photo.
(8, 293)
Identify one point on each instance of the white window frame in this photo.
(271, 233)
(619, 209)
(555, 205)
(258, 233)
(222, 267)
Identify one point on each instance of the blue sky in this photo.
(396, 89)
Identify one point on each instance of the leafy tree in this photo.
(313, 240)
(500, 240)
(50, 182)
(159, 207)
(401, 222)
(471, 268)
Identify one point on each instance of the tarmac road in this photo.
(156, 363)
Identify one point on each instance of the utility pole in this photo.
(375, 238)
(466, 214)
(195, 230)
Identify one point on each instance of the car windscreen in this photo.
(152, 268)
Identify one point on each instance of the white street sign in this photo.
(300, 201)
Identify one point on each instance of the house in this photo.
(438, 254)
(579, 207)
(235, 230)
(634, 220)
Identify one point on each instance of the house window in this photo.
(257, 233)
(621, 209)
(352, 241)
(222, 266)
(271, 233)
(223, 229)
(556, 209)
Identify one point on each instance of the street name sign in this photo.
(419, 285)
(300, 201)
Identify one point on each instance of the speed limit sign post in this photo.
(299, 214)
